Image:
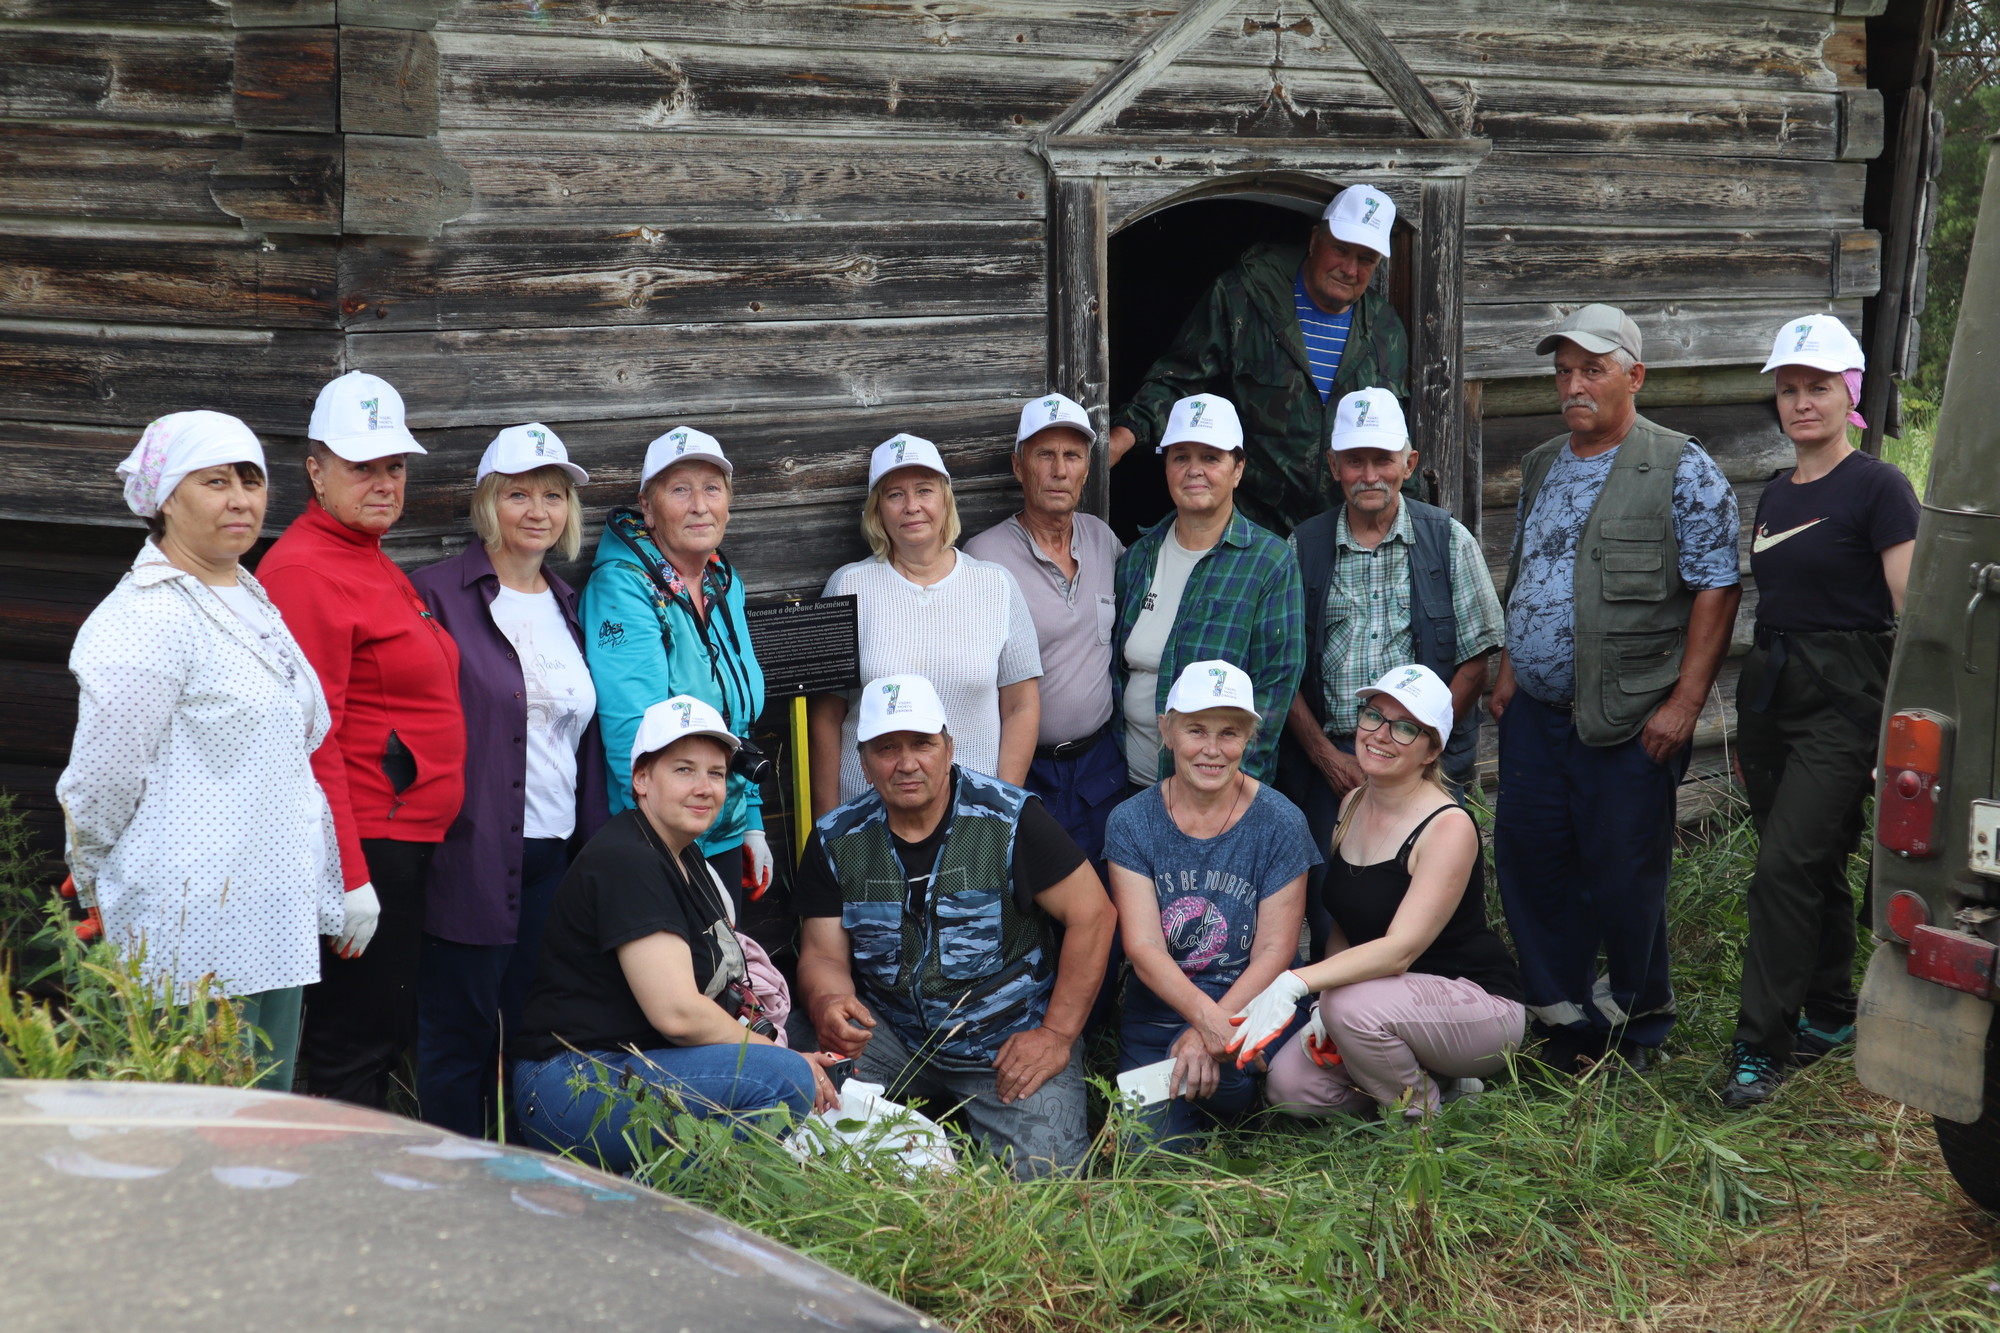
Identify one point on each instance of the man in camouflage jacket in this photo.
(1244, 343)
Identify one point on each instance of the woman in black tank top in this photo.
(1415, 991)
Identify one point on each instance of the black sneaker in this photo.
(1810, 1043)
(1753, 1078)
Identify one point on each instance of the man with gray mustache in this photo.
(1621, 593)
(1389, 580)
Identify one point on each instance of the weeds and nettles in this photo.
(71, 1010)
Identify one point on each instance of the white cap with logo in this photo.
(528, 448)
(899, 703)
(360, 417)
(904, 450)
(1038, 414)
(1212, 684)
(682, 442)
(1370, 419)
(1819, 341)
(1418, 689)
(1362, 215)
(1205, 418)
(672, 719)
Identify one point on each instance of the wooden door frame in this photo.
(1098, 185)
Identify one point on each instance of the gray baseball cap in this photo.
(1595, 328)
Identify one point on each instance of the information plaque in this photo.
(807, 646)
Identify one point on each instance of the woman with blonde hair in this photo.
(534, 768)
(1415, 991)
(928, 609)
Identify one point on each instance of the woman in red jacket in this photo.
(393, 766)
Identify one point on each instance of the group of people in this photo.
(477, 812)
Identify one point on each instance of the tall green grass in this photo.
(71, 1010)
(1600, 1196)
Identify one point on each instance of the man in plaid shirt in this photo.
(1388, 581)
(1204, 583)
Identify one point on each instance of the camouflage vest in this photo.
(972, 969)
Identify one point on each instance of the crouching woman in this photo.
(1415, 991)
(642, 988)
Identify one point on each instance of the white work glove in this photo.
(363, 910)
(1319, 1047)
(757, 863)
(1266, 1016)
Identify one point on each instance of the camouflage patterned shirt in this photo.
(1243, 342)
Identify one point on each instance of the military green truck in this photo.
(1925, 1032)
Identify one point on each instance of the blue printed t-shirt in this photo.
(1325, 335)
(1209, 889)
(1541, 613)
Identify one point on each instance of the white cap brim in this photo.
(1364, 237)
(1817, 361)
(375, 444)
(576, 474)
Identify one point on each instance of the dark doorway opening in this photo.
(1160, 267)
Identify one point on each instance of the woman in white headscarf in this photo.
(196, 827)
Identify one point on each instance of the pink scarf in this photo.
(1852, 378)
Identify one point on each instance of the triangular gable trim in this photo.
(1096, 109)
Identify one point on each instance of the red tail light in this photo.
(1913, 760)
(1906, 912)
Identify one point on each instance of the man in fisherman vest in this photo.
(952, 936)
(1621, 594)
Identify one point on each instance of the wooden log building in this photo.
(806, 224)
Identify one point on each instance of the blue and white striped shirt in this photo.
(1325, 335)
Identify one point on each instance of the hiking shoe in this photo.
(1570, 1052)
(1810, 1043)
(1753, 1078)
(1458, 1090)
(1629, 1057)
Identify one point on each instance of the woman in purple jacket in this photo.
(534, 769)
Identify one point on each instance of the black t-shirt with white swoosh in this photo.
(1816, 551)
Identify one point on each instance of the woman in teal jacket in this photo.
(663, 615)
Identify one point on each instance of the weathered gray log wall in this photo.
(804, 225)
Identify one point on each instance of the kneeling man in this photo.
(952, 936)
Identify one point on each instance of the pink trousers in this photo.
(1397, 1037)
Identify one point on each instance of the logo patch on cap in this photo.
(1361, 406)
(542, 447)
(1805, 335)
(1194, 417)
(892, 702)
(1410, 676)
(1221, 679)
(374, 406)
(1368, 217)
(686, 710)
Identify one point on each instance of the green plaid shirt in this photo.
(1243, 604)
(1368, 612)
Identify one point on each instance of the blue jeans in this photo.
(1178, 1123)
(1583, 839)
(469, 1000)
(733, 1082)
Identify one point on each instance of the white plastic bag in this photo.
(870, 1126)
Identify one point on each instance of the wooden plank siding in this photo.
(682, 274)
(805, 225)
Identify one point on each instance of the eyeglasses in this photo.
(1404, 730)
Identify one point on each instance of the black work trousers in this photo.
(361, 1015)
(1807, 755)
